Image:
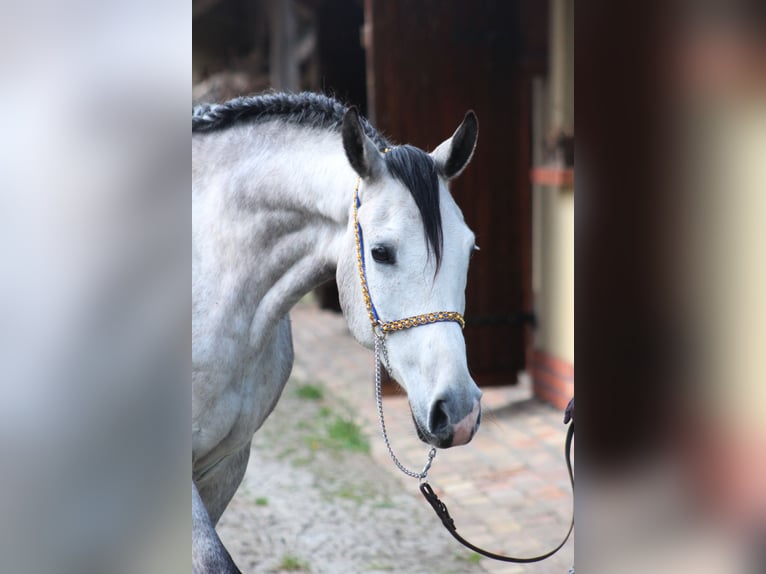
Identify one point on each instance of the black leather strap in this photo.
(441, 509)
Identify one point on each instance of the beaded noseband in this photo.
(397, 324)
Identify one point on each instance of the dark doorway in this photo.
(427, 63)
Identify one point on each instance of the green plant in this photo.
(310, 392)
(292, 563)
(345, 434)
(471, 558)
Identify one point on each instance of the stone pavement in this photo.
(507, 491)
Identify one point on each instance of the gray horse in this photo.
(273, 203)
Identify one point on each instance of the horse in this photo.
(283, 186)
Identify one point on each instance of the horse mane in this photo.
(306, 109)
(410, 165)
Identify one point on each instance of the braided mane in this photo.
(307, 109)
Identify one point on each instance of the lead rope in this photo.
(425, 488)
(441, 511)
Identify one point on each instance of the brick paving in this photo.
(507, 490)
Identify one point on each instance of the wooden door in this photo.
(428, 62)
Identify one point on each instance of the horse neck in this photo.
(279, 199)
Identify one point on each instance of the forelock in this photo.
(417, 171)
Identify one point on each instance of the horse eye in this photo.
(383, 254)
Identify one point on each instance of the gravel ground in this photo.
(313, 500)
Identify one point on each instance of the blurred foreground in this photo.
(94, 305)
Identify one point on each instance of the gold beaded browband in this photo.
(397, 324)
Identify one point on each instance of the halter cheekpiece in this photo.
(382, 328)
(378, 325)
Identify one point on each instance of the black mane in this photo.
(410, 165)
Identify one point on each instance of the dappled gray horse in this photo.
(277, 184)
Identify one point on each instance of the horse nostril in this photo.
(438, 421)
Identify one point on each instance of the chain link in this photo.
(380, 349)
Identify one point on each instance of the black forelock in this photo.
(417, 170)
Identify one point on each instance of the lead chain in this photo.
(380, 349)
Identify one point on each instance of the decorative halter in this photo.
(397, 324)
(382, 328)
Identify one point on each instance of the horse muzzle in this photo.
(442, 431)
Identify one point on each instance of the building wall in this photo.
(550, 357)
(555, 302)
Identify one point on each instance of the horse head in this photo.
(415, 247)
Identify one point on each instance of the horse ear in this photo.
(361, 152)
(453, 155)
